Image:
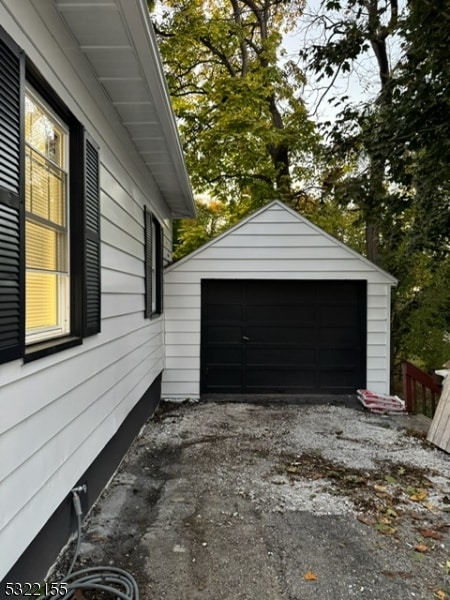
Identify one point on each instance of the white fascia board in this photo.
(136, 18)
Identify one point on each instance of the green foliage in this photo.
(377, 178)
(245, 128)
(394, 154)
(189, 234)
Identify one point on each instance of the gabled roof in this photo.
(118, 41)
(295, 216)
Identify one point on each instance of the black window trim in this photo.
(150, 292)
(16, 71)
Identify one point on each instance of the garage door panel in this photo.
(341, 358)
(292, 357)
(283, 336)
(224, 334)
(230, 355)
(218, 290)
(337, 337)
(342, 316)
(280, 314)
(280, 380)
(227, 312)
(222, 379)
(338, 379)
(289, 292)
(343, 292)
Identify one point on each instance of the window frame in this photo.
(153, 265)
(17, 72)
(63, 286)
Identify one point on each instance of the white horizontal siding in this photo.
(60, 411)
(258, 272)
(183, 362)
(180, 351)
(274, 244)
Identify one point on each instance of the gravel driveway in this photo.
(280, 501)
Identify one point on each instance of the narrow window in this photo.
(47, 276)
(153, 266)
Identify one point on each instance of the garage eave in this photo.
(389, 279)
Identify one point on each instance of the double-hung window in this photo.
(49, 216)
(47, 251)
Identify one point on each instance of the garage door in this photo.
(283, 336)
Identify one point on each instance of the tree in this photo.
(399, 147)
(246, 132)
(212, 218)
(353, 27)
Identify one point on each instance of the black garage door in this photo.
(283, 336)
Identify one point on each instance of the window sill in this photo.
(41, 349)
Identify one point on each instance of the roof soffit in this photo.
(117, 39)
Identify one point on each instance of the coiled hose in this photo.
(115, 581)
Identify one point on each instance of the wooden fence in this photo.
(421, 391)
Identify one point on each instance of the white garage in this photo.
(276, 306)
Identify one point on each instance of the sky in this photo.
(360, 85)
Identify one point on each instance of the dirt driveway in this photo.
(235, 501)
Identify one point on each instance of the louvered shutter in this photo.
(160, 271)
(148, 263)
(92, 286)
(11, 223)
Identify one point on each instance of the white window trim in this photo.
(63, 286)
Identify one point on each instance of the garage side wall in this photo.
(276, 243)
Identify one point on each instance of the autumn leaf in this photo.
(441, 595)
(390, 479)
(379, 488)
(310, 576)
(419, 495)
(385, 528)
(292, 469)
(421, 548)
(429, 533)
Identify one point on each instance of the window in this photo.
(47, 278)
(49, 216)
(153, 266)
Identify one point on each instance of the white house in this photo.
(276, 305)
(91, 174)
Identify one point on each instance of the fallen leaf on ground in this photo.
(419, 496)
(402, 574)
(441, 595)
(421, 548)
(310, 576)
(292, 469)
(430, 533)
(416, 516)
(385, 529)
(379, 488)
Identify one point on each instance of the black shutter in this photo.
(148, 262)
(160, 270)
(92, 285)
(12, 72)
